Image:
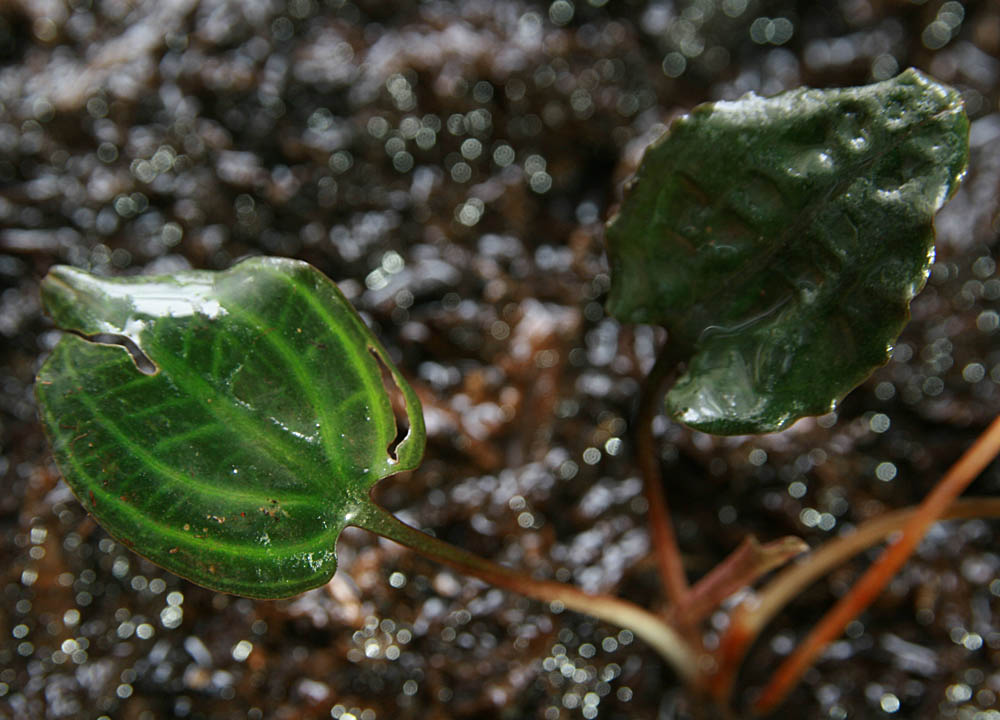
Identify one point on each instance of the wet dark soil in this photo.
(450, 165)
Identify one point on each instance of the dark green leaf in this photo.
(239, 461)
(781, 240)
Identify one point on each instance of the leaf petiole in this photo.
(622, 613)
(871, 584)
(661, 528)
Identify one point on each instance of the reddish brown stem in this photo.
(871, 584)
(661, 528)
(651, 628)
(743, 567)
(754, 613)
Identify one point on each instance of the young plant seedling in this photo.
(778, 240)
(256, 438)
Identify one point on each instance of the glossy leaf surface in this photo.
(237, 463)
(781, 240)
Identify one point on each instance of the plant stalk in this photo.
(668, 555)
(622, 613)
(747, 563)
(754, 614)
(871, 584)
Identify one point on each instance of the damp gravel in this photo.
(450, 165)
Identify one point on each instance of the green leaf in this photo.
(237, 463)
(781, 240)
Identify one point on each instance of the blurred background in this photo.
(450, 165)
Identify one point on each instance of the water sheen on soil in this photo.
(450, 164)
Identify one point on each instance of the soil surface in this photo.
(450, 164)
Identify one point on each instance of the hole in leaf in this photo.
(398, 402)
(142, 362)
